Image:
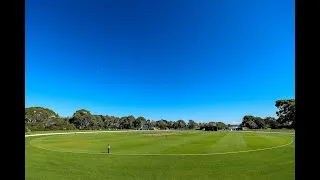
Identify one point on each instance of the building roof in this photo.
(234, 126)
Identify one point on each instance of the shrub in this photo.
(27, 129)
(35, 126)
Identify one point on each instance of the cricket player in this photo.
(108, 148)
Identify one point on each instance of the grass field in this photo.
(274, 130)
(161, 155)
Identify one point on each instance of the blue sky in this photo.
(201, 60)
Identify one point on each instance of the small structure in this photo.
(234, 128)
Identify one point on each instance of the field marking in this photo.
(207, 154)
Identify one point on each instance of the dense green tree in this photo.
(126, 122)
(181, 124)
(139, 121)
(27, 129)
(162, 124)
(252, 125)
(259, 122)
(211, 126)
(81, 118)
(95, 123)
(148, 123)
(286, 112)
(56, 124)
(271, 122)
(131, 119)
(36, 126)
(221, 125)
(153, 124)
(123, 122)
(192, 124)
(249, 122)
(37, 114)
(170, 125)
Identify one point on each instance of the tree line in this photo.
(42, 119)
(286, 117)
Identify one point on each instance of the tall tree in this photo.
(130, 119)
(249, 122)
(181, 124)
(95, 123)
(56, 124)
(37, 114)
(148, 123)
(170, 125)
(192, 124)
(286, 112)
(162, 124)
(259, 122)
(139, 121)
(271, 122)
(81, 118)
(153, 124)
(221, 125)
(123, 122)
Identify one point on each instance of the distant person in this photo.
(108, 148)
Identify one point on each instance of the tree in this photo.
(271, 122)
(37, 114)
(148, 123)
(245, 120)
(153, 124)
(81, 118)
(249, 122)
(95, 123)
(126, 122)
(259, 122)
(162, 124)
(252, 125)
(200, 125)
(192, 124)
(107, 121)
(171, 125)
(221, 125)
(112, 122)
(56, 124)
(35, 126)
(181, 124)
(211, 126)
(123, 122)
(286, 113)
(130, 119)
(139, 121)
(27, 129)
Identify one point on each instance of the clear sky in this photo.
(202, 60)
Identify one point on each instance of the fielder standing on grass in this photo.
(108, 148)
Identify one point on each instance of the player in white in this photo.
(108, 148)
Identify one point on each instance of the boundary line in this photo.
(97, 153)
(76, 132)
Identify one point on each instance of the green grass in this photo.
(57, 131)
(64, 157)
